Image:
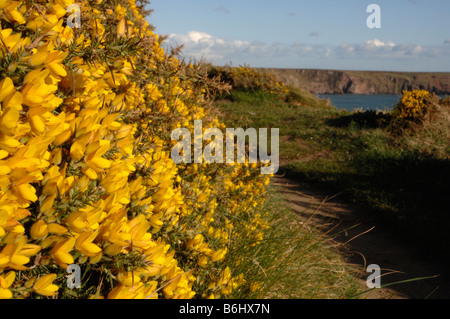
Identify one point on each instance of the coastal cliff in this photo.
(363, 82)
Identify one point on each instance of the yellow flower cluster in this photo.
(413, 105)
(85, 171)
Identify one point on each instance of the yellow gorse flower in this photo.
(44, 285)
(5, 282)
(61, 252)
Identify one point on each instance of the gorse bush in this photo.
(421, 121)
(413, 105)
(247, 79)
(86, 176)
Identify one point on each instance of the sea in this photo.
(377, 102)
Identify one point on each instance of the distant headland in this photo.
(363, 82)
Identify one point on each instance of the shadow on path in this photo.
(362, 240)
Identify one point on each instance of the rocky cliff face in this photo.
(363, 82)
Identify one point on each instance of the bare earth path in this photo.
(362, 241)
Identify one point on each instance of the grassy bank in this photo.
(295, 260)
(403, 179)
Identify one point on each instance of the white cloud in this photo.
(201, 44)
(378, 44)
(376, 49)
(221, 51)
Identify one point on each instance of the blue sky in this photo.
(326, 34)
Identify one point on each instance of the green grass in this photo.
(264, 110)
(294, 261)
(403, 183)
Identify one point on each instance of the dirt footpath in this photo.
(363, 241)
